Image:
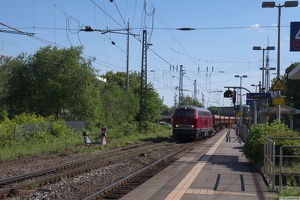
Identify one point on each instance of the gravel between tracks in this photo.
(79, 186)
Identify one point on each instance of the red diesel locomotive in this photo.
(193, 123)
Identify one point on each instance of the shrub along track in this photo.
(83, 175)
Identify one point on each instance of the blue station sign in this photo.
(295, 36)
(258, 95)
(249, 102)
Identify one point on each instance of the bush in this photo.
(7, 126)
(53, 137)
(254, 145)
(49, 136)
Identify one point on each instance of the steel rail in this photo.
(115, 185)
(82, 166)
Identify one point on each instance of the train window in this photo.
(185, 113)
(200, 113)
(178, 113)
(189, 113)
(203, 113)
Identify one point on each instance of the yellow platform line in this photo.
(212, 192)
(186, 182)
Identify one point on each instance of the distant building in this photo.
(101, 78)
(166, 117)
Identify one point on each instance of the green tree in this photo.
(166, 109)
(214, 110)
(118, 106)
(4, 71)
(119, 78)
(187, 100)
(292, 92)
(53, 81)
(154, 103)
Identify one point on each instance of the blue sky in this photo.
(219, 48)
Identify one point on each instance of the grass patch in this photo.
(34, 147)
(66, 142)
(289, 192)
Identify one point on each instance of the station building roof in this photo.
(295, 73)
(285, 110)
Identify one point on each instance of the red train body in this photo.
(193, 123)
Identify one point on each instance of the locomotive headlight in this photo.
(192, 126)
(176, 125)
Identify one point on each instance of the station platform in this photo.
(216, 169)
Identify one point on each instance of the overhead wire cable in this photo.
(107, 14)
(134, 13)
(77, 30)
(120, 13)
(32, 35)
(16, 30)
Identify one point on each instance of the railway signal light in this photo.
(103, 129)
(228, 94)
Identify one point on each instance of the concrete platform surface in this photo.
(215, 169)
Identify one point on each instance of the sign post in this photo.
(253, 97)
(278, 86)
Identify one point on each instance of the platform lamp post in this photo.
(263, 61)
(241, 77)
(279, 6)
(254, 104)
(255, 87)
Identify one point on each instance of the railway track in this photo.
(130, 182)
(9, 187)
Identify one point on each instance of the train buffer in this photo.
(96, 136)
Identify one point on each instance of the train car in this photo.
(221, 122)
(217, 122)
(192, 123)
(226, 121)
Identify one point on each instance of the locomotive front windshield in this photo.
(185, 113)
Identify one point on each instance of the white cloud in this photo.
(255, 26)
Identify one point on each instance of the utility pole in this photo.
(143, 92)
(181, 73)
(203, 100)
(267, 80)
(195, 90)
(127, 58)
(267, 85)
(208, 78)
(175, 99)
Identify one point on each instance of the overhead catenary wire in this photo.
(124, 27)
(177, 50)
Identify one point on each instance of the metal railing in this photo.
(270, 159)
(22, 130)
(281, 156)
(242, 131)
